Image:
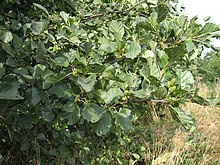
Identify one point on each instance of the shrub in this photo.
(75, 75)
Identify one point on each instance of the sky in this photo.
(203, 8)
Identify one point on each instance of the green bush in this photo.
(75, 75)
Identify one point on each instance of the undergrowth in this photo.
(171, 145)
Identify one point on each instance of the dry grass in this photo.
(207, 131)
(200, 147)
(208, 124)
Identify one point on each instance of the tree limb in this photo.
(117, 12)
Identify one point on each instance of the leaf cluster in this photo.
(76, 75)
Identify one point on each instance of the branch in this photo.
(158, 101)
(73, 43)
(155, 101)
(129, 9)
(93, 16)
(117, 12)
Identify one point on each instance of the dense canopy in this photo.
(77, 75)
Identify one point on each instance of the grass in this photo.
(172, 145)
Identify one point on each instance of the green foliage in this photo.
(209, 67)
(76, 75)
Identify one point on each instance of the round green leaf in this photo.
(73, 113)
(61, 61)
(87, 83)
(47, 114)
(124, 119)
(103, 125)
(111, 94)
(133, 50)
(9, 91)
(7, 37)
(93, 112)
